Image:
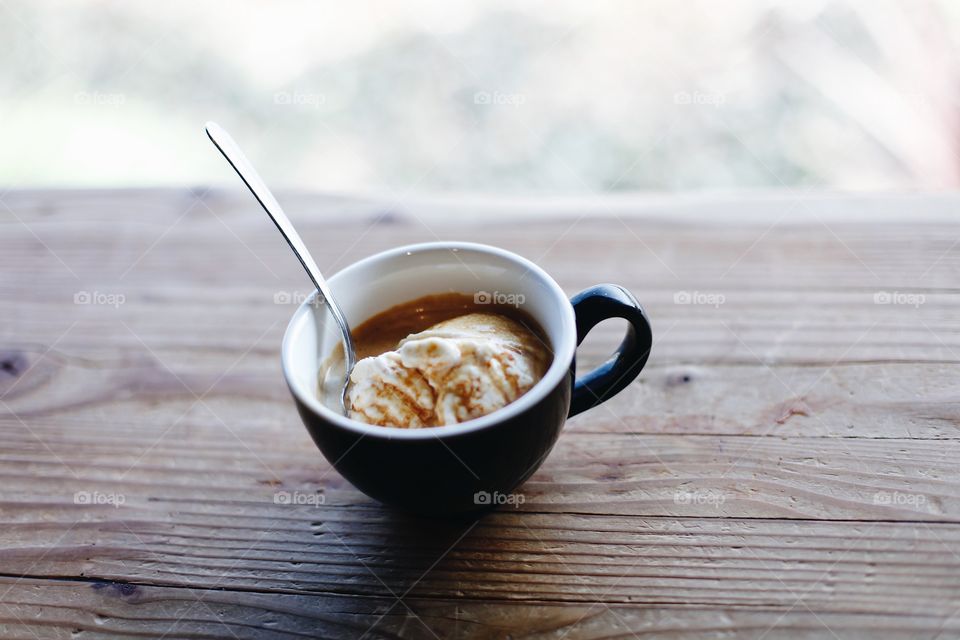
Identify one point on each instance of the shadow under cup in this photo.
(454, 468)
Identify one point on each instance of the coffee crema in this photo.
(443, 359)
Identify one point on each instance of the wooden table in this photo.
(785, 466)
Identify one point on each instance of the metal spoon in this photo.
(231, 151)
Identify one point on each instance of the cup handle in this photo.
(592, 306)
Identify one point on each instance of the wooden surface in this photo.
(786, 465)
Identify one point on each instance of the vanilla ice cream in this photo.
(454, 371)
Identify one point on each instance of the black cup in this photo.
(479, 463)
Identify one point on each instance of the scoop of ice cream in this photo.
(454, 371)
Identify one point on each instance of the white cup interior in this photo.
(400, 275)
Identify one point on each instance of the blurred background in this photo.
(513, 97)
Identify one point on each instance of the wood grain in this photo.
(784, 467)
(89, 610)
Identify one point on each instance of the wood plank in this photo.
(848, 566)
(91, 610)
(245, 390)
(180, 232)
(588, 472)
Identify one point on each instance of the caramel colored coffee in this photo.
(384, 331)
(443, 359)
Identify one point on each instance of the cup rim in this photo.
(559, 367)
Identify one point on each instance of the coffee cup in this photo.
(479, 463)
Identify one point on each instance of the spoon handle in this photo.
(225, 143)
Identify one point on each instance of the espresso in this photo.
(441, 360)
(384, 331)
